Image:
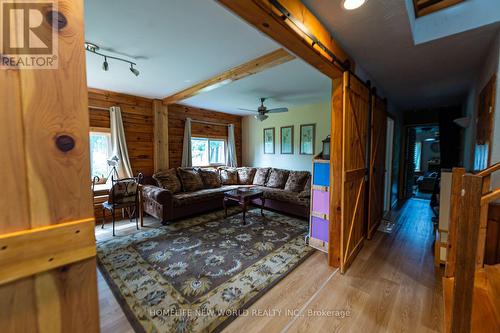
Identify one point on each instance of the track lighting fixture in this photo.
(133, 70)
(105, 65)
(93, 48)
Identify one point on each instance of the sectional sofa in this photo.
(176, 193)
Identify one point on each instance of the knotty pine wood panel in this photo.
(45, 126)
(138, 123)
(177, 115)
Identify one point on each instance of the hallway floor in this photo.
(392, 286)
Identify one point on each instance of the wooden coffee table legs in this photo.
(244, 204)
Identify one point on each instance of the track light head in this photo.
(105, 65)
(133, 70)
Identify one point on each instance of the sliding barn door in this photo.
(356, 99)
(378, 134)
(47, 246)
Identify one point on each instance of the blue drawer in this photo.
(321, 174)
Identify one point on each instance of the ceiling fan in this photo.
(262, 110)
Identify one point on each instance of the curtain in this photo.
(231, 159)
(118, 143)
(187, 160)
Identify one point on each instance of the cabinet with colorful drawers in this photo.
(320, 205)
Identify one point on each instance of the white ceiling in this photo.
(177, 43)
(379, 37)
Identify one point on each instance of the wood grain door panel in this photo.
(355, 129)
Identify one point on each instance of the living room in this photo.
(207, 166)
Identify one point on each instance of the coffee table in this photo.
(243, 197)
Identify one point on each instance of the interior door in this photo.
(354, 151)
(377, 164)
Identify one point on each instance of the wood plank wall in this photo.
(177, 115)
(137, 114)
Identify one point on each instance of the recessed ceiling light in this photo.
(352, 4)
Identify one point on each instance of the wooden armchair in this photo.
(124, 194)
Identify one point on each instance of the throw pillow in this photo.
(245, 175)
(307, 187)
(296, 181)
(260, 177)
(277, 178)
(168, 180)
(190, 179)
(229, 176)
(210, 178)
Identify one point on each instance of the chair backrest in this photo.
(124, 190)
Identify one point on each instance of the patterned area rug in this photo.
(196, 275)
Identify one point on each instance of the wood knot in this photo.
(56, 19)
(265, 25)
(65, 143)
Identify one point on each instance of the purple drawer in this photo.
(320, 202)
(319, 228)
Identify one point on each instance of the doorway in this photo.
(389, 150)
(423, 161)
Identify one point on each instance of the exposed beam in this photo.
(252, 67)
(294, 34)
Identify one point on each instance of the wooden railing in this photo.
(470, 196)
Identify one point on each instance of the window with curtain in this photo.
(418, 156)
(481, 157)
(100, 152)
(206, 151)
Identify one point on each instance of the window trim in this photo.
(211, 138)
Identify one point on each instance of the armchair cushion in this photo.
(123, 192)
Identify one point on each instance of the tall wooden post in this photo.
(465, 262)
(47, 244)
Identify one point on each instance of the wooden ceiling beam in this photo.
(252, 67)
(295, 36)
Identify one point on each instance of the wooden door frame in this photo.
(391, 176)
(373, 98)
(403, 159)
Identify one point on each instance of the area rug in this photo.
(198, 274)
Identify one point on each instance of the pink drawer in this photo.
(321, 202)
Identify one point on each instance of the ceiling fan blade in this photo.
(278, 110)
(247, 110)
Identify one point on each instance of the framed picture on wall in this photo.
(307, 138)
(286, 135)
(269, 140)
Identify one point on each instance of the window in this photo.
(100, 152)
(206, 151)
(418, 155)
(481, 157)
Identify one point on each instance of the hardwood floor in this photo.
(392, 286)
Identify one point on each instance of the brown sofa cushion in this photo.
(210, 178)
(306, 193)
(229, 176)
(260, 177)
(168, 180)
(246, 175)
(296, 181)
(284, 196)
(190, 179)
(277, 178)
